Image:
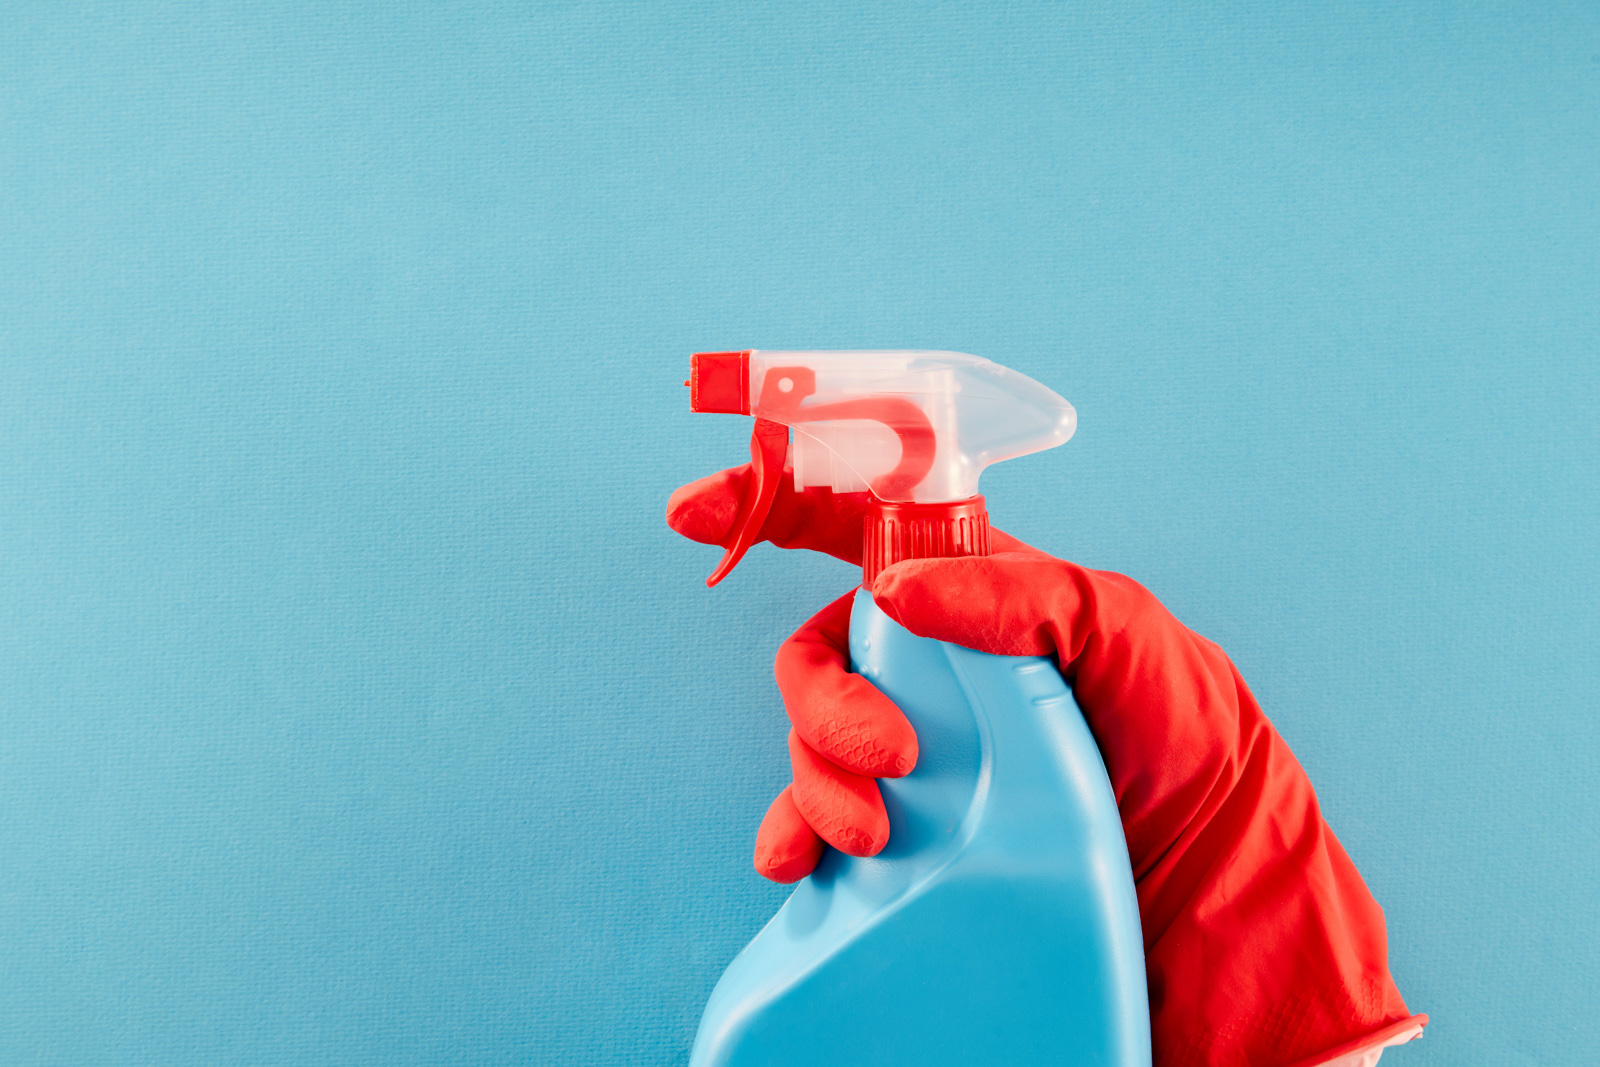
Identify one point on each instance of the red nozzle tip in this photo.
(719, 382)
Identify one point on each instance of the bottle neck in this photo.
(895, 532)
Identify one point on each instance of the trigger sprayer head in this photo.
(912, 429)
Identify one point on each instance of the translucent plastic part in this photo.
(909, 426)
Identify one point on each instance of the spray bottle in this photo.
(999, 925)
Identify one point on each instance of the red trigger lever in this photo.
(769, 447)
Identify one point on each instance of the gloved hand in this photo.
(1262, 944)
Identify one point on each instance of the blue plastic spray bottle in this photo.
(999, 925)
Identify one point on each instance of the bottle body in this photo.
(1000, 922)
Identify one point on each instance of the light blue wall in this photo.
(356, 707)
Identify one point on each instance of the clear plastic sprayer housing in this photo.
(911, 426)
(913, 429)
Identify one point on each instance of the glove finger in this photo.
(841, 715)
(818, 519)
(787, 849)
(846, 810)
(1006, 604)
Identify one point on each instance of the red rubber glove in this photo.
(1263, 946)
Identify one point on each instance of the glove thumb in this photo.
(1007, 604)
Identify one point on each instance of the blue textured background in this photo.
(356, 707)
